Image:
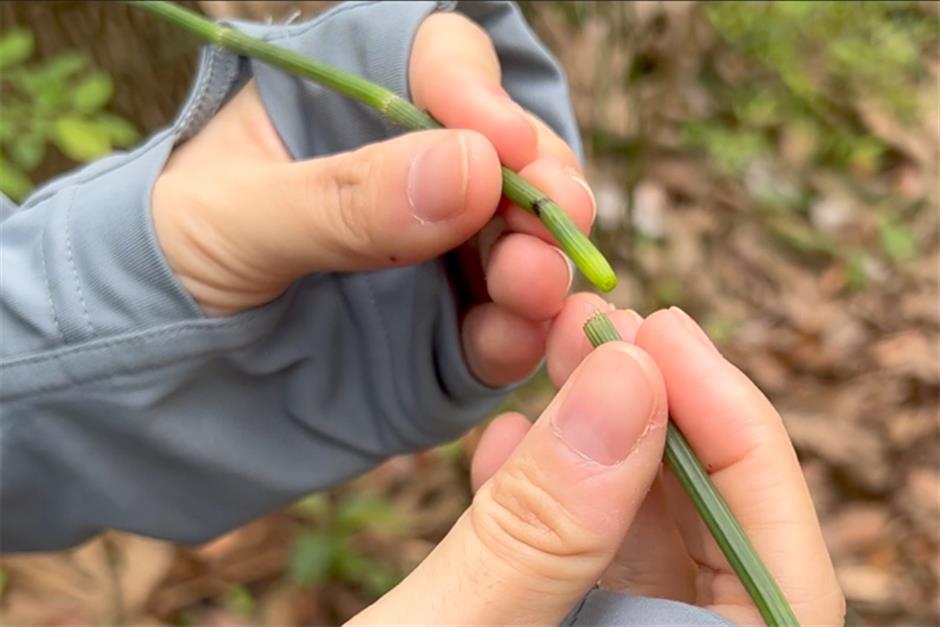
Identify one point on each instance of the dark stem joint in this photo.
(537, 206)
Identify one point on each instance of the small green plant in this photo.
(326, 550)
(59, 101)
(811, 62)
(239, 600)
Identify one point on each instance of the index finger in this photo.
(454, 74)
(741, 441)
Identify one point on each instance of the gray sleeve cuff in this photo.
(601, 608)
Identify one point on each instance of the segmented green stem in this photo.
(401, 112)
(712, 508)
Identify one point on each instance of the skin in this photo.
(564, 521)
(579, 496)
(230, 256)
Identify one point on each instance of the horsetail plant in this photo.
(401, 112)
(713, 509)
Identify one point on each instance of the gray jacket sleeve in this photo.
(604, 608)
(124, 407)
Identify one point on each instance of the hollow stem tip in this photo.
(600, 330)
(711, 506)
(400, 111)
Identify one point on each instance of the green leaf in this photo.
(7, 127)
(13, 182)
(897, 241)
(25, 80)
(312, 507)
(856, 277)
(799, 10)
(312, 558)
(368, 511)
(80, 139)
(51, 97)
(63, 65)
(47, 83)
(16, 45)
(92, 92)
(451, 452)
(380, 579)
(28, 150)
(351, 566)
(121, 132)
(239, 599)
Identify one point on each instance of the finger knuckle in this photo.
(349, 197)
(520, 521)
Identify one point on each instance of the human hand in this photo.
(578, 497)
(239, 221)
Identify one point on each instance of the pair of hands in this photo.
(578, 496)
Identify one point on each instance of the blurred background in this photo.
(770, 167)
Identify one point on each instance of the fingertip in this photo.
(528, 276)
(461, 98)
(501, 347)
(708, 396)
(567, 345)
(489, 109)
(627, 322)
(669, 332)
(654, 326)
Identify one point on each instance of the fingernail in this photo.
(437, 180)
(636, 317)
(568, 265)
(608, 408)
(628, 322)
(692, 327)
(580, 180)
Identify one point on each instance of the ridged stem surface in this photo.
(713, 509)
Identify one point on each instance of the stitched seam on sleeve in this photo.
(373, 302)
(161, 336)
(83, 177)
(386, 341)
(146, 336)
(200, 94)
(45, 276)
(199, 100)
(71, 259)
(301, 29)
(165, 362)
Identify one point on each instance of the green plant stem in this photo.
(578, 247)
(712, 508)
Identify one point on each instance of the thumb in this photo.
(543, 529)
(398, 202)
